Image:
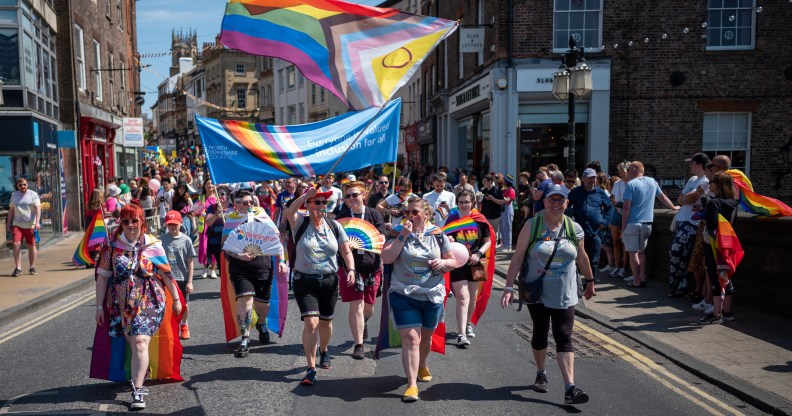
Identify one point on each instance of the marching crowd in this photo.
(559, 225)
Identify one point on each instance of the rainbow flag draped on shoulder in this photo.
(726, 247)
(111, 356)
(754, 203)
(239, 151)
(95, 234)
(361, 54)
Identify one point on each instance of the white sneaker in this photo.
(205, 274)
(709, 309)
(212, 274)
(621, 272)
(701, 305)
(629, 279)
(607, 269)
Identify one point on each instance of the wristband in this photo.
(508, 289)
(589, 280)
(99, 307)
(351, 270)
(283, 261)
(176, 299)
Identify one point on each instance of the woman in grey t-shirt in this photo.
(420, 256)
(559, 291)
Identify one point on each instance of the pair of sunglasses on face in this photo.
(127, 222)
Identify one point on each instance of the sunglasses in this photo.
(22, 184)
(319, 203)
(464, 202)
(352, 195)
(245, 203)
(127, 222)
(413, 212)
(224, 194)
(383, 183)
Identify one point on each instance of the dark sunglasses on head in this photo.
(246, 203)
(352, 195)
(318, 203)
(129, 221)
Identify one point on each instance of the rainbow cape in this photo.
(95, 234)
(111, 356)
(359, 53)
(389, 336)
(726, 247)
(279, 301)
(754, 203)
(485, 288)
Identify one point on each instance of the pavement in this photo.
(750, 357)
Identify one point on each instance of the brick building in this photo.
(98, 78)
(717, 86)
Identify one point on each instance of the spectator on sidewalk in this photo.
(686, 227)
(24, 220)
(507, 215)
(637, 218)
(181, 252)
(440, 200)
(552, 251)
(362, 294)
(617, 198)
(604, 182)
(723, 204)
(592, 210)
(492, 202)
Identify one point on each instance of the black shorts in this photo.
(183, 287)
(251, 282)
(213, 251)
(316, 297)
(461, 274)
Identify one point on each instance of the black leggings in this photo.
(712, 272)
(563, 321)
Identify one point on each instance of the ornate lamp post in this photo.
(573, 79)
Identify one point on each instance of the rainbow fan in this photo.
(462, 224)
(362, 235)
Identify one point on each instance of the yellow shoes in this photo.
(410, 395)
(424, 374)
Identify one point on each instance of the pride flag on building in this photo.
(361, 54)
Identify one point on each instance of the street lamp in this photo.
(573, 79)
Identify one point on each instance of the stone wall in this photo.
(762, 280)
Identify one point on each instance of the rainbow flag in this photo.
(461, 224)
(361, 54)
(111, 356)
(754, 203)
(726, 247)
(95, 234)
(279, 301)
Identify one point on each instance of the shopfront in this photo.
(97, 136)
(32, 154)
(469, 132)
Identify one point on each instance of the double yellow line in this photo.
(45, 317)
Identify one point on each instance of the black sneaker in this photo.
(575, 395)
(727, 316)
(264, 336)
(17, 272)
(244, 348)
(138, 403)
(310, 377)
(324, 360)
(365, 333)
(359, 353)
(540, 384)
(710, 319)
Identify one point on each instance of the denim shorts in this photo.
(412, 313)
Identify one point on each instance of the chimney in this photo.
(185, 64)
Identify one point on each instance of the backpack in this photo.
(569, 234)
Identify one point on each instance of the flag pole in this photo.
(360, 133)
(393, 183)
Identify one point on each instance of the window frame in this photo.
(718, 149)
(241, 98)
(556, 12)
(97, 68)
(79, 55)
(237, 71)
(712, 28)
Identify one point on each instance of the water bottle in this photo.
(36, 234)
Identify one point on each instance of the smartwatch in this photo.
(400, 237)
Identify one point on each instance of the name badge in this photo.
(361, 252)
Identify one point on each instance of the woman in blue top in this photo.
(559, 292)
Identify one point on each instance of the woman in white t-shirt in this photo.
(617, 197)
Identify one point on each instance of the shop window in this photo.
(728, 134)
(581, 19)
(730, 24)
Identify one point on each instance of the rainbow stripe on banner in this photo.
(754, 203)
(279, 302)
(95, 234)
(361, 54)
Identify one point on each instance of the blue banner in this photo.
(238, 151)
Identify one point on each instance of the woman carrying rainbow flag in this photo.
(468, 226)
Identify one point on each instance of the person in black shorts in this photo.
(251, 275)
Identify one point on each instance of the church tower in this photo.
(183, 45)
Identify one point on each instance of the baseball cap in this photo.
(556, 189)
(113, 190)
(588, 172)
(700, 158)
(173, 217)
(351, 177)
